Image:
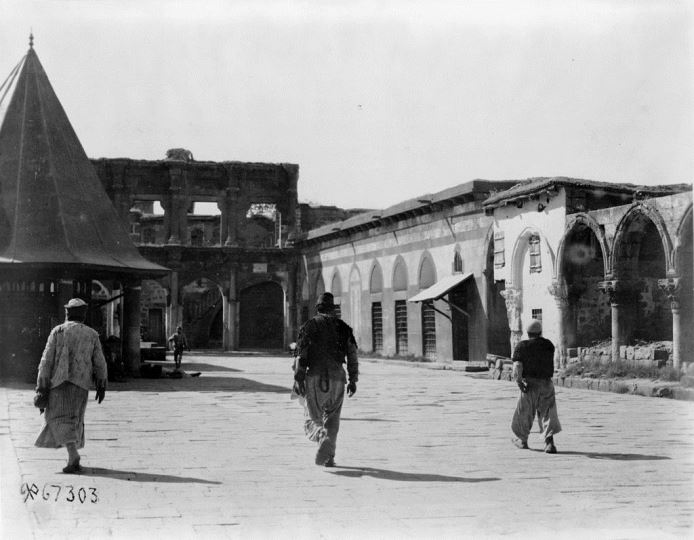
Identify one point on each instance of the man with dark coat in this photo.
(322, 346)
(533, 368)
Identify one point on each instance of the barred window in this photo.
(499, 260)
(536, 314)
(377, 327)
(401, 327)
(535, 261)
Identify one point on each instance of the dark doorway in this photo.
(155, 326)
(261, 317)
(461, 349)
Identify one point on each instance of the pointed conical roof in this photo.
(53, 209)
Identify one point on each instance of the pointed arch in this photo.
(638, 211)
(336, 284)
(426, 275)
(574, 222)
(376, 278)
(683, 246)
(399, 274)
(519, 249)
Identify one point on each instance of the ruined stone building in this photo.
(225, 250)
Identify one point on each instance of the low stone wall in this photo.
(657, 352)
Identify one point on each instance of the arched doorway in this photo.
(261, 316)
(582, 268)
(202, 304)
(640, 261)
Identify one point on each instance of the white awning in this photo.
(440, 288)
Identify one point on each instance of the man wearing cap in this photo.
(71, 358)
(533, 368)
(322, 346)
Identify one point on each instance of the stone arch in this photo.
(426, 273)
(519, 249)
(375, 278)
(583, 220)
(336, 284)
(640, 211)
(399, 274)
(642, 255)
(681, 260)
(582, 264)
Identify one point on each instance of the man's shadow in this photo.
(131, 476)
(384, 474)
(608, 455)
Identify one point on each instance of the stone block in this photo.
(630, 353)
(572, 352)
(623, 352)
(643, 353)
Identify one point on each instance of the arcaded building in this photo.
(225, 250)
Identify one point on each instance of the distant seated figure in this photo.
(179, 154)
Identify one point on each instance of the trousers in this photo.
(538, 400)
(322, 408)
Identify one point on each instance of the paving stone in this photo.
(421, 453)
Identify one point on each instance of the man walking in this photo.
(179, 343)
(533, 367)
(71, 359)
(322, 346)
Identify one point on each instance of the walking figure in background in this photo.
(179, 344)
(71, 358)
(533, 368)
(322, 346)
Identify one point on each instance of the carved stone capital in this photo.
(560, 293)
(618, 290)
(671, 287)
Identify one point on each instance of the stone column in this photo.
(291, 304)
(617, 292)
(131, 326)
(514, 305)
(560, 294)
(671, 288)
(229, 209)
(292, 201)
(230, 319)
(176, 205)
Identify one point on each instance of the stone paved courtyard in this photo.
(422, 454)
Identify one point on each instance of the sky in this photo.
(378, 101)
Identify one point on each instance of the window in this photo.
(428, 331)
(377, 327)
(457, 262)
(535, 261)
(148, 235)
(401, 327)
(197, 237)
(499, 259)
(537, 314)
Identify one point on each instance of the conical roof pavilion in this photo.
(54, 211)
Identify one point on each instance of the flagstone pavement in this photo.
(421, 454)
